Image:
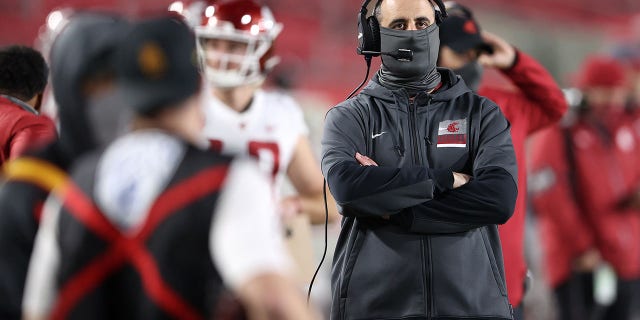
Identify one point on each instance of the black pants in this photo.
(575, 297)
(518, 312)
(627, 297)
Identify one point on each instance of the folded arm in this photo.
(370, 190)
(489, 198)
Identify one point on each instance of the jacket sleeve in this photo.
(489, 198)
(31, 132)
(540, 102)
(370, 191)
(551, 190)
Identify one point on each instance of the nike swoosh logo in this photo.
(373, 136)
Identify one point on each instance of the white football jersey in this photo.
(269, 129)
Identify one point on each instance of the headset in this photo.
(369, 31)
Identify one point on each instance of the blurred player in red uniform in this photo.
(537, 102)
(586, 192)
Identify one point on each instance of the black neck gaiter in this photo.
(420, 74)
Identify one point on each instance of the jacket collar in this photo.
(20, 103)
(451, 88)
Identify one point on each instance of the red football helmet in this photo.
(235, 41)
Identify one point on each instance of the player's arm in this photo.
(248, 249)
(553, 193)
(540, 99)
(304, 173)
(40, 290)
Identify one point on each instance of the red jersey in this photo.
(601, 171)
(538, 103)
(21, 128)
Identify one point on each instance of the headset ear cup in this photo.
(363, 34)
(441, 11)
(374, 28)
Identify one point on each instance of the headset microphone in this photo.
(400, 54)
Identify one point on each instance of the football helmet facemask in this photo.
(235, 42)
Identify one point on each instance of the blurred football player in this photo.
(81, 73)
(235, 49)
(155, 225)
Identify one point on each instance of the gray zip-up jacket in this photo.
(439, 255)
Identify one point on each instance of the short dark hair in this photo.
(23, 72)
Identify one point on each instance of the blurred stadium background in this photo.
(317, 45)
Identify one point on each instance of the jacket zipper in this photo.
(428, 158)
(427, 137)
(425, 287)
(428, 280)
(424, 242)
(412, 127)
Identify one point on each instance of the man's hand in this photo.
(630, 202)
(364, 160)
(503, 55)
(588, 261)
(460, 179)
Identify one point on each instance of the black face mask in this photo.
(418, 74)
(471, 73)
